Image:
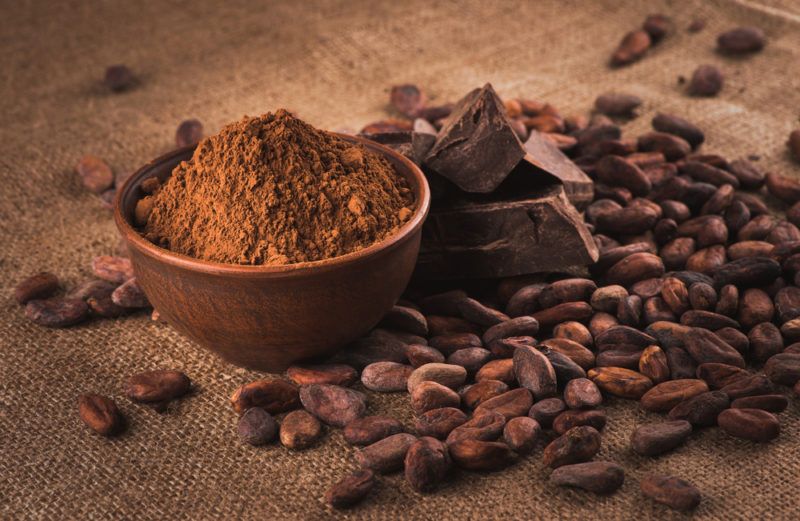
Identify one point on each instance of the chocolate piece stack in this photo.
(500, 207)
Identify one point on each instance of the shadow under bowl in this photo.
(268, 317)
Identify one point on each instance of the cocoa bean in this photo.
(787, 303)
(405, 319)
(335, 374)
(274, 396)
(720, 201)
(567, 290)
(706, 80)
(575, 418)
(620, 382)
(628, 220)
(675, 210)
(750, 424)
(758, 228)
(647, 288)
(443, 325)
(748, 272)
(351, 489)
(667, 334)
(387, 455)
(705, 346)
(656, 438)
(574, 332)
(119, 78)
(629, 310)
(130, 295)
(578, 311)
(728, 302)
(477, 313)
(445, 304)
(333, 404)
(563, 366)
(525, 301)
(419, 355)
(481, 391)
(701, 410)
(617, 335)
(632, 47)
(748, 385)
(582, 393)
(675, 125)
(257, 427)
(601, 322)
(450, 343)
(189, 132)
(519, 326)
(472, 454)
(431, 395)
(735, 338)
(502, 370)
(702, 297)
(765, 341)
(36, 287)
(667, 395)
(112, 269)
(485, 427)
(676, 253)
(100, 414)
(427, 462)
(635, 267)
(617, 171)
(791, 329)
(577, 445)
(607, 298)
(510, 404)
(505, 347)
(718, 375)
(699, 319)
(57, 312)
(741, 40)
(671, 491)
(749, 175)
(521, 433)
(300, 430)
(386, 377)
(370, 429)
(765, 402)
(615, 358)
(783, 368)
(157, 386)
(654, 365)
(438, 423)
(744, 249)
(449, 375)
(573, 350)
(673, 147)
(95, 174)
(600, 477)
(534, 372)
(617, 104)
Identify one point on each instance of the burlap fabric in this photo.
(331, 62)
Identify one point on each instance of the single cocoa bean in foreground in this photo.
(674, 492)
(574, 446)
(333, 404)
(100, 414)
(750, 424)
(351, 489)
(706, 81)
(426, 464)
(655, 438)
(300, 430)
(600, 477)
(189, 132)
(741, 40)
(95, 174)
(119, 78)
(157, 386)
(257, 427)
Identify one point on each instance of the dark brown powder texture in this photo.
(275, 190)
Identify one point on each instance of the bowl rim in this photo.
(405, 232)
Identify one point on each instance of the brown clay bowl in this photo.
(267, 317)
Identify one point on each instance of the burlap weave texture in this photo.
(332, 62)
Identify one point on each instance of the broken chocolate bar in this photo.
(526, 226)
(577, 185)
(477, 147)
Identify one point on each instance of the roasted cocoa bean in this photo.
(158, 386)
(748, 272)
(112, 269)
(431, 395)
(582, 393)
(656, 438)
(474, 395)
(765, 341)
(300, 430)
(525, 300)
(620, 382)
(741, 40)
(521, 434)
(575, 418)
(449, 344)
(748, 385)
(632, 47)
(336, 374)
(706, 80)
(57, 312)
(36, 287)
(735, 338)
(600, 477)
(427, 462)
(534, 372)
(705, 346)
(718, 375)
(274, 396)
(449, 375)
(438, 423)
(477, 313)
(351, 489)
(370, 429)
(387, 455)
(573, 350)
(671, 491)
(707, 320)
(667, 395)
(577, 445)
(617, 104)
(405, 319)
(257, 427)
(386, 377)
(673, 147)
(750, 424)
(510, 404)
(653, 364)
(574, 332)
(783, 368)
(787, 303)
(472, 454)
(333, 404)
(765, 402)
(100, 414)
(445, 304)
(701, 410)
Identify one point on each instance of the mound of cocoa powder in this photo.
(275, 190)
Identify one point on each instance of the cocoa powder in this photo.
(275, 190)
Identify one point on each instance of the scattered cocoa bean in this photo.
(351, 489)
(631, 48)
(472, 454)
(701, 410)
(387, 455)
(620, 382)
(765, 402)
(600, 477)
(158, 386)
(335, 374)
(386, 377)
(257, 427)
(36, 287)
(577, 445)
(189, 132)
(706, 81)
(332, 404)
(431, 395)
(486, 427)
(674, 492)
(513, 403)
(427, 462)
(112, 269)
(575, 418)
(57, 312)
(300, 430)
(534, 372)
(741, 40)
(449, 375)
(750, 424)
(274, 396)
(100, 414)
(656, 438)
(370, 429)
